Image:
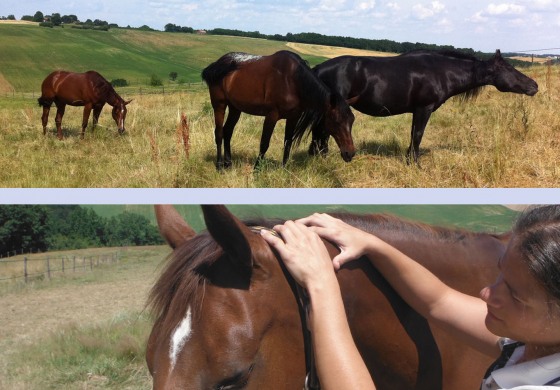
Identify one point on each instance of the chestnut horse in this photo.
(279, 86)
(227, 316)
(89, 90)
(418, 82)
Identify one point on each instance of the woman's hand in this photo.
(351, 241)
(303, 253)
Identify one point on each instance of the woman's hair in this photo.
(537, 232)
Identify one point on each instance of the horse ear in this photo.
(172, 226)
(231, 234)
(498, 53)
(127, 102)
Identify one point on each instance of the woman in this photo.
(523, 304)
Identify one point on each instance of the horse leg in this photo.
(420, 119)
(85, 119)
(45, 118)
(231, 121)
(96, 113)
(288, 138)
(268, 127)
(60, 108)
(219, 113)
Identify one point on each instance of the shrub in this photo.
(155, 80)
(119, 83)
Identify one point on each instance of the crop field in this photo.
(500, 140)
(88, 330)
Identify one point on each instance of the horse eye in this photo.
(238, 381)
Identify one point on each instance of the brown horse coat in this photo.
(88, 89)
(245, 327)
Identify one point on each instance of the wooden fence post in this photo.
(48, 268)
(74, 263)
(62, 264)
(25, 269)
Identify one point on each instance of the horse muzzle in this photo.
(347, 155)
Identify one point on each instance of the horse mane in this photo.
(473, 93)
(314, 93)
(216, 71)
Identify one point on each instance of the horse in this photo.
(417, 82)
(227, 315)
(88, 89)
(278, 86)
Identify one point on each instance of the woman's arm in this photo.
(339, 364)
(458, 313)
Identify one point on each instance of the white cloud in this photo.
(505, 9)
(421, 11)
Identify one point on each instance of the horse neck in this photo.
(113, 98)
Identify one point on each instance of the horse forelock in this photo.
(182, 282)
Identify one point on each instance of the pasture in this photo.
(499, 140)
(89, 330)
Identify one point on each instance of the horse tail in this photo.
(216, 71)
(44, 102)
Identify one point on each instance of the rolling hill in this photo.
(30, 52)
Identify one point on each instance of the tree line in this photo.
(383, 45)
(55, 227)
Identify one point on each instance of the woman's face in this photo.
(518, 305)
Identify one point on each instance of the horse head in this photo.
(508, 79)
(226, 315)
(119, 114)
(338, 123)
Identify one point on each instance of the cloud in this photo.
(505, 9)
(421, 11)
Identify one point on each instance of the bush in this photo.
(155, 81)
(46, 24)
(119, 83)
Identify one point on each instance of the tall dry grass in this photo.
(499, 140)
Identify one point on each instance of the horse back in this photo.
(75, 89)
(259, 86)
(401, 349)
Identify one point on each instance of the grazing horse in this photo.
(88, 89)
(418, 82)
(279, 86)
(227, 315)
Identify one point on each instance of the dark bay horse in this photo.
(227, 317)
(418, 82)
(88, 89)
(279, 86)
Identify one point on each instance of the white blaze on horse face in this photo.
(180, 336)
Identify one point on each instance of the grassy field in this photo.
(501, 140)
(89, 330)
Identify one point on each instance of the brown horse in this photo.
(227, 317)
(89, 90)
(279, 86)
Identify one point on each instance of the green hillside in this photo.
(491, 218)
(31, 52)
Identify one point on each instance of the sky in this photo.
(509, 25)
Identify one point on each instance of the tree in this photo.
(38, 17)
(23, 228)
(131, 229)
(155, 81)
(173, 76)
(56, 20)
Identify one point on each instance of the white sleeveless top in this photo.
(538, 374)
